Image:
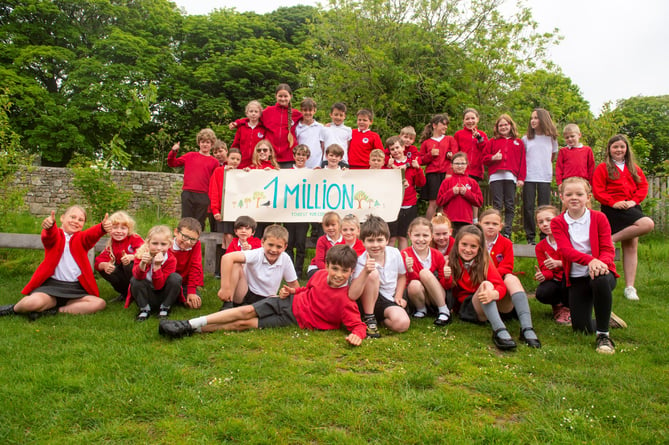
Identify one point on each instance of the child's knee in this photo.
(415, 287)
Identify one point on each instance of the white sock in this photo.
(198, 323)
(444, 310)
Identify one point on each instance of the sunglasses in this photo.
(261, 150)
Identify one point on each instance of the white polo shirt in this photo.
(337, 134)
(392, 268)
(310, 135)
(263, 278)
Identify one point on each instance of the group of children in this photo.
(435, 274)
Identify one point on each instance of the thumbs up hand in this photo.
(408, 261)
(49, 221)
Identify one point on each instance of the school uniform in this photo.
(336, 134)
(609, 190)
(539, 152)
(553, 289)
(310, 135)
(434, 262)
(358, 246)
(189, 266)
(409, 207)
(501, 254)
(467, 143)
(155, 288)
(323, 244)
(246, 139)
(236, 244)
(263, 278)
(574, 162)
(436, 166)
(459, 208)
(279, 122)
(362, 144)
(464, 289)
(389, 274)
(120, 277)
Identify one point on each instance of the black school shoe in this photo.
(531, 342)
(502, 343)
(32, 316)
(175, 328)
(443, 319)
(7, 310)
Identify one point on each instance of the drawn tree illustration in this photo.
(370, 202)
(247, 201)
(360, 196)
(241, 203)
(258, 196)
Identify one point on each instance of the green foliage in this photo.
(95, 185)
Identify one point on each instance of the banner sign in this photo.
(304, 195)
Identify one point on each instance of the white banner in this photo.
(303, 195)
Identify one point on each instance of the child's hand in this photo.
(193, 301)
(539, 276)
(127, 259)
(486, 293)
(176, 146)
(434, 152)
(401, 302)
(245, 245)
(285, 291)
(597, 268)
(447, 268)
(449, 154)
(391, 163)
(49, 221)
(405, 184)
(146, 260)
(217, 217)
(268, 168)
(370, 265)
(247, 169)
(232, 125)
(415, 163)
(158, 260)
(106, 224)
(227, 167)
(475, 133)
(107, 267)
(520, 183)
(551, 263)
(408, 262)
(354, 340)
(224, 294)
(497, 156)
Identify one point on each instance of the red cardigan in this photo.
(501, 255)
(543, 250)
(277, 121)
(513, 156)
(438, 263)
(128, 245)
(415, 177)
(234, 246)
(189, 266)
(458, 208)
(470, 145)
(464, 286)
(319, 306)
(216, 190)
(53, 240)
(322, 247)
(439, 163)
(576, 161)
(246, 139)
(608, 191)
(600, 243)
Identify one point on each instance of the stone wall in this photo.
(50, 188)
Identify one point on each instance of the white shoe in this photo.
(630, 293)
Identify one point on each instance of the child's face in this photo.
(439, 129)
(338, 275)
(234, 159)
(221, 154)
(186, 238)
(119, 232)
(470, 120)
(349, 232)
(205, 146)
(376, 162)
(407, 139)
(333, 160)
(441, 233)
(396, 150)
(544, 221)
(331, 229)
(364, 122)
(73, 221)
(244, 233)
(618, 150)
(300, 159)
(338, 117)
(253, 114)
(504, 127)
(263, 152)
(159, 244)
(572, 138)
(459, 166)
(273, 247)
(468, 247)
(492, 225)
(534, 120)
(574, 197)
(420, 237)
(375, 245)
(308, 114)
(283, 98)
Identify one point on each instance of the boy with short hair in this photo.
(337, 132)
(408, 137)
(331, 224)
(244, 228)
(187, 250)
(379, 280)
(220, 151)
(376, 159)
(323, 304)
(363, 141)
(234, 159)
(198, 168)
(308, 132)
(334, 155)
(575, 159)
(248, 276)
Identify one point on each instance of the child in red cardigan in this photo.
(471, 141)
(459, 194)
(501, 254)
(323, 304)
(575, 159)
(583, 236)
(249, 132)
(187, 249)
(331, 224)
(280, 121)
(350, 231)
(244, 227)
(425, 273)
(620, 185)
(64, 280)
(505, 157)
(550, 273)
(115, 262)
(155, 283)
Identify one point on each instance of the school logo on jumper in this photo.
(260, 135)
(365, 140)
(303, 195)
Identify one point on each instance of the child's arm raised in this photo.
(358, 283)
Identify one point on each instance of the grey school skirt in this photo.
(62, 289)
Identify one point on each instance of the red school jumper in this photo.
(189, 266)
(246, 139)
(574, 161)
(513, 156)
(415, 177)
(362, 144)
(278, 122)
(469, 144)
(158, 277)
(127, 245)
(439, 163)
(543, 250)
(53, 240)
(458, 207)
(216, 190)
(198, 168)
(608, 191)
(438, 263)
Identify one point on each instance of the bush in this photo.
(93, 181)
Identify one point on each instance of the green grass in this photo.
(106, 378)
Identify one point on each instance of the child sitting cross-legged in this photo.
(322, 304)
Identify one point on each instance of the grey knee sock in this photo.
(519, 300)
(495, 320)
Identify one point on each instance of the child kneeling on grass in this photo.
(323, 304)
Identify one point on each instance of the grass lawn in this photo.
(106, 378)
